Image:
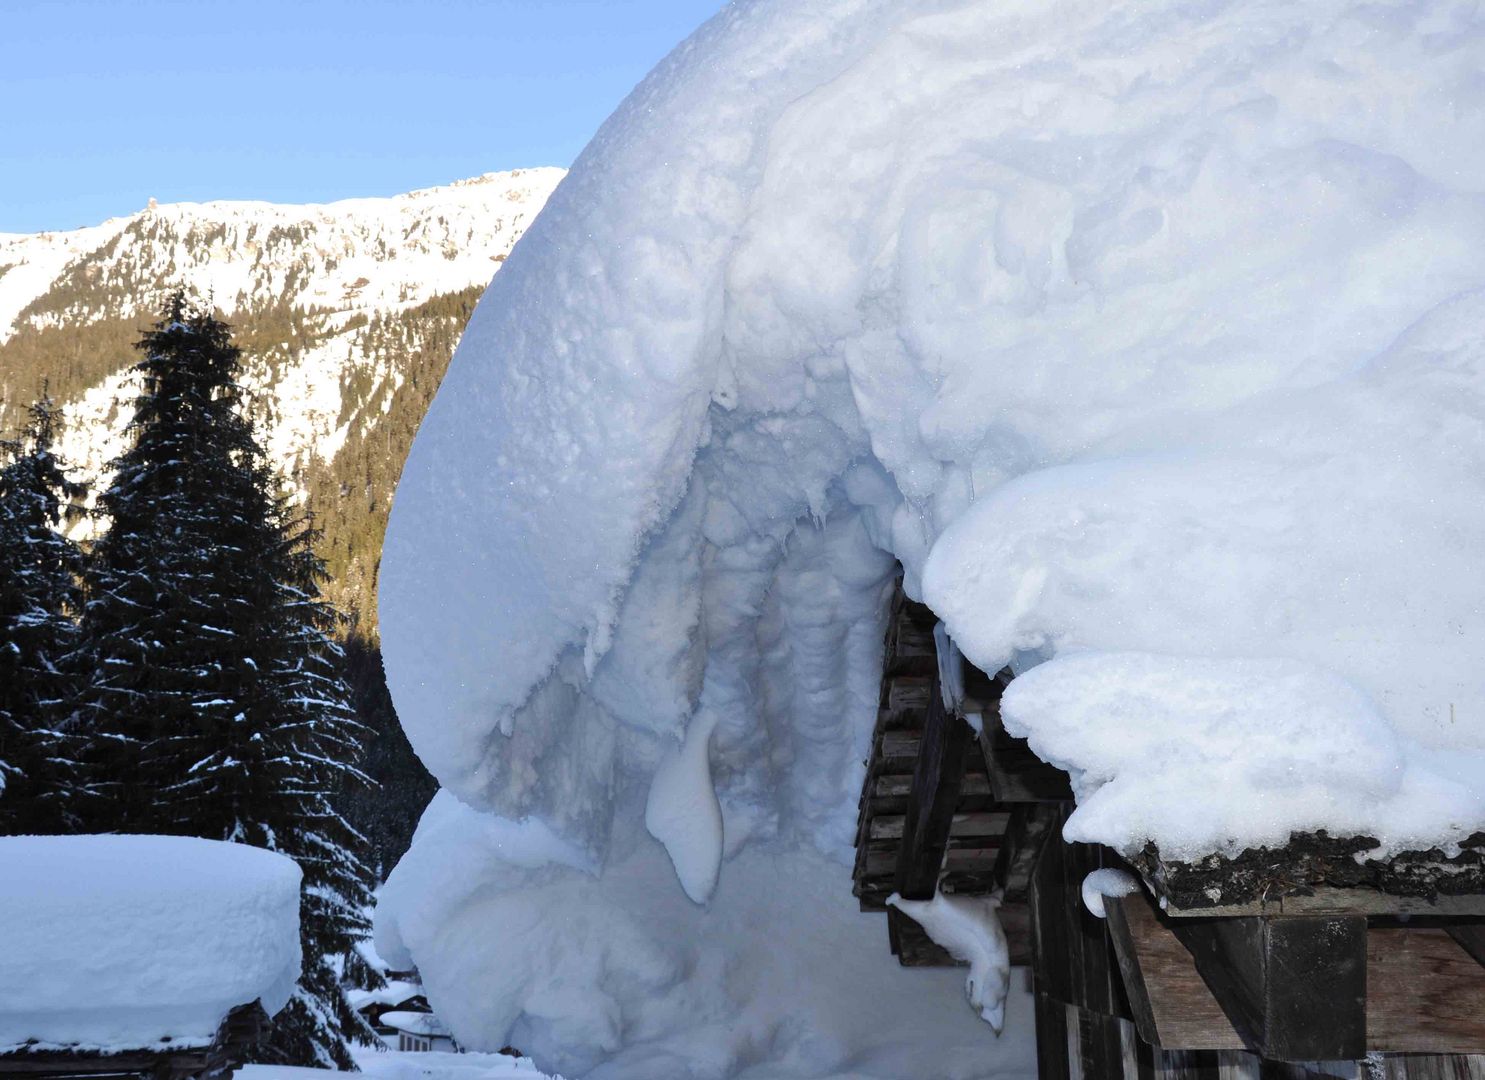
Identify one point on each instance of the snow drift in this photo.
(135, 942)
(1143, 335)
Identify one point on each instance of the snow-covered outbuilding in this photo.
(1141, 344)
(418, 1031)
(397, 995)
(163, 955)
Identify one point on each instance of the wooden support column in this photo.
(1294, 986)
(930, 810)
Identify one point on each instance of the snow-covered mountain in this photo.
(347, 313)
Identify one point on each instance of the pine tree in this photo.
(217, 705)
(307, 696)
(39, 600)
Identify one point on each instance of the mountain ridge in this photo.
(347, 313)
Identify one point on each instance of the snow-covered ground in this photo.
(134, 942)
(1145, 336)
(619, 975)
(397, 1065)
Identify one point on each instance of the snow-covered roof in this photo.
(1147, 337)
(393, 992)
(415, 1023)
(136, 942)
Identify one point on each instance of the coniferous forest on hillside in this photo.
(183, 671)
(74, 336)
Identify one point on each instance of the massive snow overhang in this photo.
(1147, 337)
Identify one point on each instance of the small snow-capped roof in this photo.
(140, 942)
(395, 992)
(415, 1023)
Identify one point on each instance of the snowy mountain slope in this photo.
(356, 255)
(337, 307)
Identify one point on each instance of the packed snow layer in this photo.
(118, 942)
(620, 975)
(1217, 755)
(1127, 328)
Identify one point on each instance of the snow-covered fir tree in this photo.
(39, 599)
(217, 707)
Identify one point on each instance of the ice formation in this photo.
(133, 942)
(1142, 334)
(969, 928)
(1106, 883)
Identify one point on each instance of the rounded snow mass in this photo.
(1145, 336)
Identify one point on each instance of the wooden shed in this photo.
(1303, 961)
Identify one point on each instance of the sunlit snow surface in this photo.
(1149, 337)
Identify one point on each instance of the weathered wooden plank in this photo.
(1425, 1067)
(1172, 1005)
(936, 779)
(910, 648)
(1100, 1048)
(1131, 969)
(901, 786)
(1326, 900)
(1016, 774)
(888, 793)
(981, 824)
(1294, 987)
(910, 693)
(1426, 993)
(880, 867)
(1051, 1038)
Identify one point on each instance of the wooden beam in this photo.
(965, 825)
(930, 812)
(1425, 994)
(1016, 774)
(1325, 900)
(1294, 987)
(1172, 1005)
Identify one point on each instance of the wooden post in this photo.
(930, 811)
(1294, 986)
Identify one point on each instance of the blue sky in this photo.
(106, 104)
